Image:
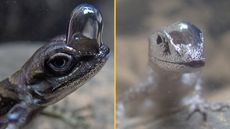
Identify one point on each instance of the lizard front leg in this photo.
(18, 116)
(198, 104)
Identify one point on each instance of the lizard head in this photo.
(178, 47)
(63, 65)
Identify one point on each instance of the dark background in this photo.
(41, 20)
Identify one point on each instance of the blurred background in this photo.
(26, 25)
(136, 20)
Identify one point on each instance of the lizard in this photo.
(55, 70)
(176, 57)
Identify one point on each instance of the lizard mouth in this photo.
(104, 52)
(193, 64)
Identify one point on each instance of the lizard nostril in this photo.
(159, 39)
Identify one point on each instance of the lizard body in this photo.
(176, 56)
(55, 70)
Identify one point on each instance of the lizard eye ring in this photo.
(60, 63)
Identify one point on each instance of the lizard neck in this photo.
(18, 84)
(13, 84)
(17, 81)
(9, 96)
(175, 87)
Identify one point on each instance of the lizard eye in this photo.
(165, 44)
(60, 63)
(159, 39)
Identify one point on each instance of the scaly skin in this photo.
(176, 56)
(55, 70)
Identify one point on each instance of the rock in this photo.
(179, 120)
